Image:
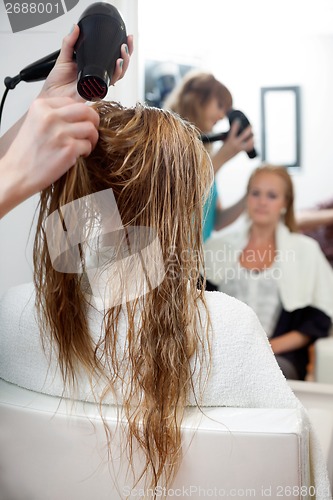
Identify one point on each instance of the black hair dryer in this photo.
(102, 32)
(233, 114)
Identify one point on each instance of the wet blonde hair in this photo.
(282, 173)
(160, 174)
(193, 94)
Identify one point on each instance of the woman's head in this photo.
(200, 99)
(156, 166)
(159, 173)
(270, 197)
(154, 163)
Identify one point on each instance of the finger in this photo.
(73, 150)
(246, 134)
(123, 62)
(81, 131)
(85, 148)
(125, 56)
(68, 43)
(51, 110)
(118, 72)
(247, 144)
(78, 112)
(130, 44)
(235, 127)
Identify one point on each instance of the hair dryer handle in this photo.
(39, 69)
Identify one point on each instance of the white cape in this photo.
(305, 276)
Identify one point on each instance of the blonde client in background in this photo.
(173, 346)
(282, 275)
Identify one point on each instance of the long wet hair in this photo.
(193, 94)
(282, 173)
(160, 174)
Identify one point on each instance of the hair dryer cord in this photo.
(3, 102)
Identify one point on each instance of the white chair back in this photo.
(52, 449)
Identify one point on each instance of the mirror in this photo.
(280, 125)
(254, 45)
(247, 46)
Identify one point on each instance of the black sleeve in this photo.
(308, 320)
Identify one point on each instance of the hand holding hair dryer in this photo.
(102, 32)
(233, 114)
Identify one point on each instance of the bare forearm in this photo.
(10, 135)
(309, 219)
(9, 188)
(224, 217)
(289, 342)
(221, 157)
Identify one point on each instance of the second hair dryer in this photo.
(233, 114)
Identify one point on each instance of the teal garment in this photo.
(209, 212)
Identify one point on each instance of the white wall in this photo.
(17, 51)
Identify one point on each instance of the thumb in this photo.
(68, 43)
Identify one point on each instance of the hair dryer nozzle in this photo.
(102, 32)
(92, 86)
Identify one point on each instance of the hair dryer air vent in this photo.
(92, 87)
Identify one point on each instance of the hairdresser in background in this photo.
(203, 100)
(58, 128)
(282, 275)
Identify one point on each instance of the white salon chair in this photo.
(53, 449)
(324, 360)
(318, 400)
